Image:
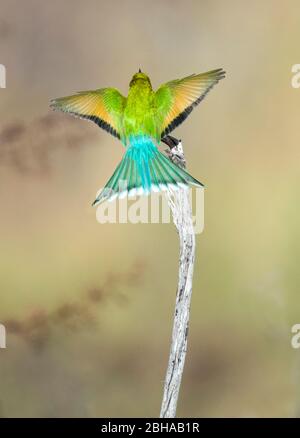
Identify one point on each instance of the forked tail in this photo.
(144, 169)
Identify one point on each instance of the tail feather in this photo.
(174, 176)
(164, 173)
(144, 169)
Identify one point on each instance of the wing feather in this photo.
(104, 107)
(176, 99)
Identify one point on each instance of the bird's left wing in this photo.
(175, 100)
(104, 107)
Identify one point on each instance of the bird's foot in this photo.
(175, 151)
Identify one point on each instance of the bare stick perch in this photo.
(179, 203)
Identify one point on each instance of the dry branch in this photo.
(179, 202)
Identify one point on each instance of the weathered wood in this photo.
(179, 202)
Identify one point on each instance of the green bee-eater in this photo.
(141, 120)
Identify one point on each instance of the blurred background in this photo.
(88, 308)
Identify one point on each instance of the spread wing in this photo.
(104, 107)
(175, 100)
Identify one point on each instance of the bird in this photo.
(141, 121)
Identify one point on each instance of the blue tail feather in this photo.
(144, 169)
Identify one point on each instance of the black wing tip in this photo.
(218, 73)
(221, 73)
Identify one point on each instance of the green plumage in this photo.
(140, 112)
(140, 121)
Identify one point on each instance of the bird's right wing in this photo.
(176, 99)
(104, 107)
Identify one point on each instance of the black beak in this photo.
(140, 71)
(170, 141)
